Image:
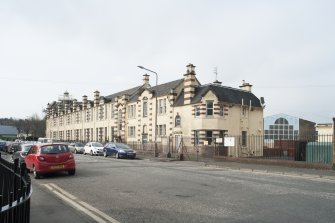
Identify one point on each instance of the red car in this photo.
(49, 158)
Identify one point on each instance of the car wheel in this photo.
(117, 156)
(36, 174)
(75, 151)
(105, 154)
(91, 153)
(72, 172)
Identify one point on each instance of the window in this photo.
(131, 131)
(162, 106)
(209, 137)
(131, 111)
(145, 107)
(101, 112)
(77, 117)
(68, 119)
(244, 138)
(197, 111)
(112, 134)
(196, 137)
(88, 115)
(120, 120)
(112, 111)
(209, 108)
(162, 130)
(222, 110)
(177, 120)
(145, 129)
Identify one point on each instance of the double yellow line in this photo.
(82, 206)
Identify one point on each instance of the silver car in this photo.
(76, 147)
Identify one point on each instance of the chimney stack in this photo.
(84, 102)
(146, 80)
(74, 105)
(246, 86)
(189, 84)
(217, 82)
(96, 98)
(172, 96)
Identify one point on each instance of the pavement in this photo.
(253, 167)
(45, 207)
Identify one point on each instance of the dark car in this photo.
(22, 152)
(49, 158)
(119, 150)
(13, 147)
(2, 146)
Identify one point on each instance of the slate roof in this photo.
(131, 92)
(224, 94)
(8, 130)
(162, 89)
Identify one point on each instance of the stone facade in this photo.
(185, 109)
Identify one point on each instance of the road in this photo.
(111, 190)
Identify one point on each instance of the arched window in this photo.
(282, 121)
(145, 107)
(145, 130)
(177, 120)
(120, 120)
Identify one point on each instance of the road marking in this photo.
(82, 206)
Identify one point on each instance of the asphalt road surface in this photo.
(111, 190)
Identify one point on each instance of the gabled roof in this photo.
(223, 93)
(164, 89)
(8, 130)
(131, 92)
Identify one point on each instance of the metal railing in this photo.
(15, 192)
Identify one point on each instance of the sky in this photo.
(284, 48)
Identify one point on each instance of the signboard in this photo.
(218, 140)
(229, 141)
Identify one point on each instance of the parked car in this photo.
(93, 148)
(48, 158)
(13, 147)
(22, 152)
(2, 146)
(119, 150)
(76, 147)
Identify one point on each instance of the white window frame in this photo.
(208, 109)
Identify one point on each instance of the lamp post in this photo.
(155, 151)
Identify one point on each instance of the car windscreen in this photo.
(122, 146)
(25, 148)
(79, 145)
(96, 144)
(54, 149)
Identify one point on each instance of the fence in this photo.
(250, 147)
(255, 146)
(15, 188)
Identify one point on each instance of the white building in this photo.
(185, 109)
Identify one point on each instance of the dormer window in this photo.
(209, 108)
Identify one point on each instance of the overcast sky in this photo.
(285, 49)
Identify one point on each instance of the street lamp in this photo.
(155, 151)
